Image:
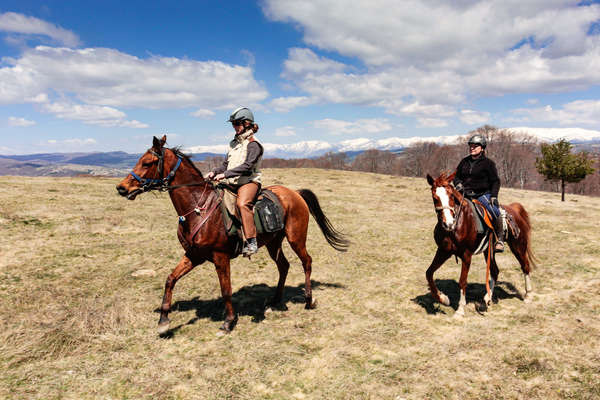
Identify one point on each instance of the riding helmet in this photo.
(478, 139)
(241, 114)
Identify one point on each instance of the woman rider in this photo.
(241, 170)
(477, 177)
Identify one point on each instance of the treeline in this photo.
(514, 154)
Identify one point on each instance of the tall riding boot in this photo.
(499, 229)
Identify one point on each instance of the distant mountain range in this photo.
(118, 163)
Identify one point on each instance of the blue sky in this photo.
(104, 76)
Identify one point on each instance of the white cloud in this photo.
(438, 53)
(285, 104)
(472, 117)
(92, 115)
(202, 113)
(285, 131)
(21, 122)
(432, 122)
(339, 127)
(108, 77)
(580, 112)
(18, 23)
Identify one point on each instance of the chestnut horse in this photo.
(456, 234)
(197, 202)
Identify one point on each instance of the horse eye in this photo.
(147, 164)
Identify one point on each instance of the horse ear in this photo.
(429, 180)
(163, 140)
(452, 175)
(156, 143)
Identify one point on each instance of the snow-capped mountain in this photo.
(315, 148)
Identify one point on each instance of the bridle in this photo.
(457, 209)
(161, 184)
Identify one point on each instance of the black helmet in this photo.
(241, 114)
(478, 139)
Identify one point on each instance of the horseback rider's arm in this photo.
(458, 178)
(255, 151)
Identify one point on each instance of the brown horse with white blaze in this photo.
(456, 234)
(197, 202)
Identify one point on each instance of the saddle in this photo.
(268, 212)
(484, 222)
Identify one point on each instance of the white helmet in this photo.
(241, 114)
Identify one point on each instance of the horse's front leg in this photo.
(440, 257)
(184, 266)
(222, 265)
(462, 283)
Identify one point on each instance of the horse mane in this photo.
(177, 151)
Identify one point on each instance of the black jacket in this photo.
(478, 176)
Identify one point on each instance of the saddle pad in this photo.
(477, 217)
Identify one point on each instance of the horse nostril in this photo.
(122, 191)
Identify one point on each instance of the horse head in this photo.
(444, 201)
(149, 173)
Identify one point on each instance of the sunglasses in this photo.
(236, 123)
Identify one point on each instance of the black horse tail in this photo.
(336, 239)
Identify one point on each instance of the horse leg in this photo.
(276, 253)
(493, 279)
(519, 249)
(299, 247)
(222, 265)
(184, 266)
(439, 258)
(462, 283)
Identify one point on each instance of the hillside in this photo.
(83, 271)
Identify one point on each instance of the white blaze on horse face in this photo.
(442, 194)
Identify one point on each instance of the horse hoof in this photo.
(528, 297)
(311, 305)
(445, 300)
(228, 325)
(487, 300)
(163, 328)
(459, 314)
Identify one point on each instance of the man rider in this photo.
(477, 177)
(241, 171)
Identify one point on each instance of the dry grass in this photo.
(77, 324)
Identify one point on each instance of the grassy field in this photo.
(82, 273)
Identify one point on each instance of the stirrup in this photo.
(250, 248)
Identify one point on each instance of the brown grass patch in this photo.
(78, 323)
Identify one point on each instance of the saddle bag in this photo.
(269, 212)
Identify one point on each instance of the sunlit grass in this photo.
(78, 323)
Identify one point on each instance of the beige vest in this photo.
(238, 149)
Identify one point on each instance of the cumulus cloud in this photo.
(202, 113)
(12, 22)
(285, 104)
(92, 115)
(20, 122)
(472, 117)
(109, 77)
(586, 112)
(438, 53)
(339, 127)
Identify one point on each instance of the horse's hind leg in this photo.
(184, 266)
(276, 253)
(299, 247)
(519, 249)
